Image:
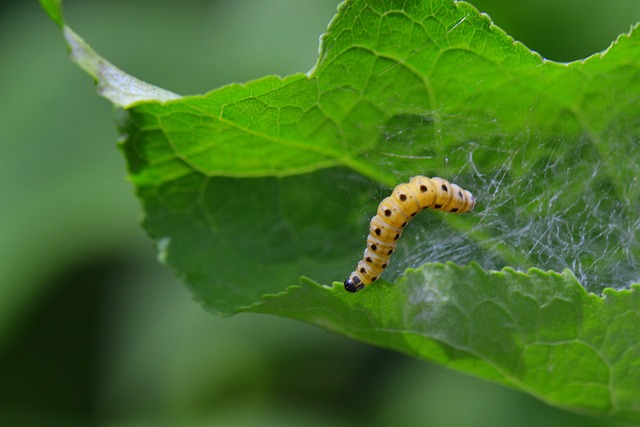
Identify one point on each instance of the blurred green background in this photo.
(94, 332)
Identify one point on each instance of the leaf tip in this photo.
(53, 8)
(114, 84)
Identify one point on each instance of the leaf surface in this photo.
(251, 186)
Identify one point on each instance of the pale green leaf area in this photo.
(251, 186)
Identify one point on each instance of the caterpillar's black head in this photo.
(353, 284)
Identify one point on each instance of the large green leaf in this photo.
(251, 186)
(538, 332)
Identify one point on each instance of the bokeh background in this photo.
(93, 331)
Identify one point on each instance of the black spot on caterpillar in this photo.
(394, 212)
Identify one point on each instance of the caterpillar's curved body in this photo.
(394, 212)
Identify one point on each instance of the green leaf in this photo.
(112, 83)
(251, 186)
(539, 332)
(53, 8)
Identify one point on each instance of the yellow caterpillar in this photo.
(394, 212)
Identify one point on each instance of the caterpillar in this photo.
(394, 213)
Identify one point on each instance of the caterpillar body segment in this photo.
(393, 215)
